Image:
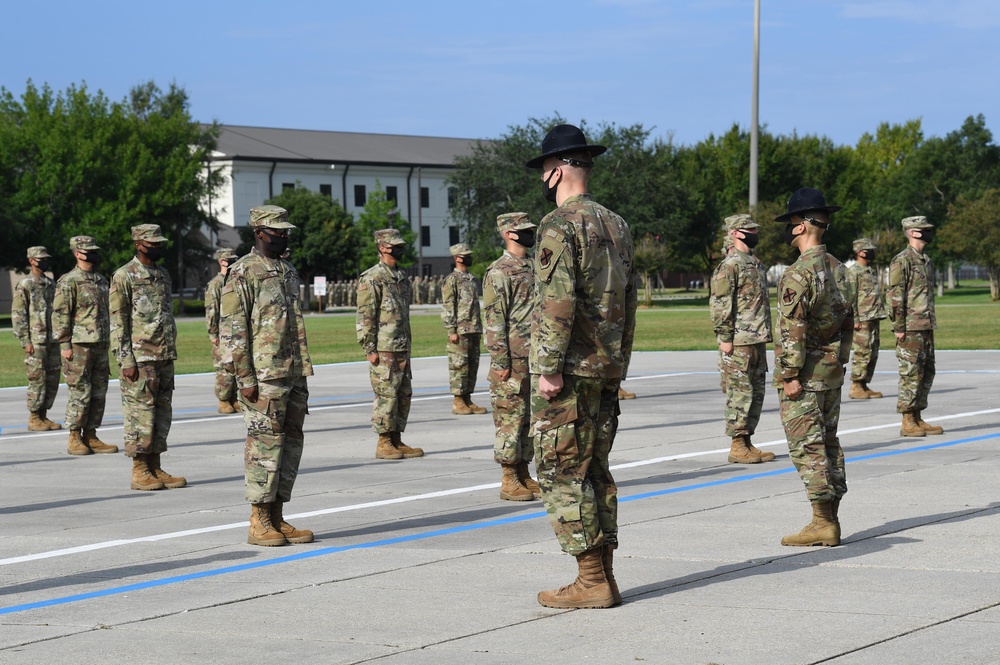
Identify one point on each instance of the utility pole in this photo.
(754, 103)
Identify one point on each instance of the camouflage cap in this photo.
(741, 221)
(271, 217)
(225, 253)
(148, 232)
(918, 222)
(389, 237)
(862, 244)
(38, 252)
(514, 221)
(460, 249)
(82, 244)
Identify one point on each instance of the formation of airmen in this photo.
(426, 291)
(559, 329)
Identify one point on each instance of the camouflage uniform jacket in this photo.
(867, 302)
(911, 292)
(261, 321)
(31, 311)
(142, 315)
(741, 309)
(80, 308)
(815, 325)
(460, 304)
(383, 320)
(213, 296)
(509, 297)
(584, 319)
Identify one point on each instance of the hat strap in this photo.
(575, 162)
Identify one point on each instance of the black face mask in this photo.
(525, 238)
(927, 235)
(276, 244)
(549, 192)
(154, 254)
(788, 236)
(43, 264)
(397, 251)
(750, 239)
(464, 260)
(92, 258)
(867, 255)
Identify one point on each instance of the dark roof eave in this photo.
(303, 160)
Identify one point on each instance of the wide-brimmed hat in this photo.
(803, 200)
(562, 139)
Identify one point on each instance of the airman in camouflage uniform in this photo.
(460, 315)
(144, 342)
(225, 380)
(383, 328)
(509, 297)
(81, 325)
(31, 319)
(741, 317)
(813, 345)
(868, 313)
(911, 310)
(262, 324)
(581, 342)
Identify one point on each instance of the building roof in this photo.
(304, 146)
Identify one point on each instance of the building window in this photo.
(327, 191)
(359, 196)
(392, 194)
(452, 235)
(425, 197)
(452, 197)
(425, 236)
(287, 186)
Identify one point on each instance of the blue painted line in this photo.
(324, 551)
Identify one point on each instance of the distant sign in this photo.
(319, 285)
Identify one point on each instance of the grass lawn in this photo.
(967, 319)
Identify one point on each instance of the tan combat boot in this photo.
(764, 456)
(525, 477)
(624, 394)
(408, 452)
(927, 427)
(872, 394)
(50, 424)
(142, 476)
(590, 589)
(858, 391)
(76, 445)
(473, 407)
(459, 407)
(385, 450)
(739, 453)
(262, 531)
(910, 426)
(36, 423)
(226, 407)
(170, 482)
(511, 488)
(835, 510)
(608, 560)
(95, 444)
(291, 534)
(823, 530)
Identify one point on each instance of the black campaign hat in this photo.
(562, 139)
(805, 200)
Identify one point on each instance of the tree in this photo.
(973, 232)
(651, 258)
(381, 213)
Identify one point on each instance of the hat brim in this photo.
(392, 242)
(275, 225)
(788, 215)
(523, 225)
(43, 255)
(153, 239)
(86, 248)
(751, 225)
(594, 150)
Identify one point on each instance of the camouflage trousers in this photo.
(865, 346)
(225, 378)
(147, 408)
(463, 364)
(915, 354)
(391, 383)
(573, 435)
(43, 376)
(745, 378)
(510, 400)
(274, 438)
(87, 380)
(810, 424)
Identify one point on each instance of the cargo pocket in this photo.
(554, 431)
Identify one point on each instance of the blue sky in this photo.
(471, 69)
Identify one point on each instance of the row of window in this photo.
(391, 194)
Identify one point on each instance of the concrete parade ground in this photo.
(419, 561)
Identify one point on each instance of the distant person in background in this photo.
(225, 380)
(460, 314)
(869, 310)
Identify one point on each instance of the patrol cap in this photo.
(389, 237)
(514, 221)
(461, 249)
(38, 252)
(741, 221)
(862, 244)
(148, 232)
(271, 217)
(225, 253)
(82, 244)
(918, 222)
